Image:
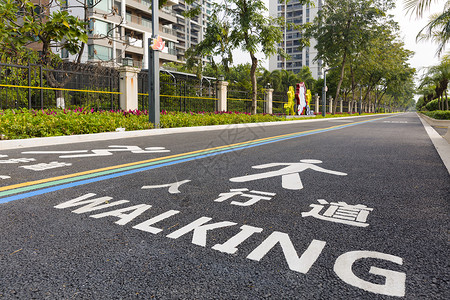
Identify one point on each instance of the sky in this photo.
(424, 51)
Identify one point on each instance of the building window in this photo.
(64, 4)
(101, 28)
(99, 52)
(64, 53)
(105, 5)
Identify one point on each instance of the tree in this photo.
(436, 79)
(342, 29)
(241, 24)
(438, 28)
(25, 23)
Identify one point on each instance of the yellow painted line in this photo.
(236, 99)
(172, 96)
(57, 89)
(24, 184)
(5, 188)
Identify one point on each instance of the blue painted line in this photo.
(111, 176)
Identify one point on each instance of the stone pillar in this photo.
(317, 105)
(222, 96)
(128, 88)
(269, 105)
(342, 106)
(330, 104)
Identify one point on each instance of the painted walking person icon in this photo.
(290, 174)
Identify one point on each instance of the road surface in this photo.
(352, 208)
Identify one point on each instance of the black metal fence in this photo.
(68, 85)
(241, 101)
(180, 92)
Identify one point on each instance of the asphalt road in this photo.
(339, 209)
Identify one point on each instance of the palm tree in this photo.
(437, 78)
(417, 6)
(438, 28)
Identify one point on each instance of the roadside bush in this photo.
(24, 123)
(183, 119)
(438, 114)
(432, 105)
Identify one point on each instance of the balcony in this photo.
(167, 30)
(131, 41)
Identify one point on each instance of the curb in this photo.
(72, 139)
(442, 145)
(434, 122)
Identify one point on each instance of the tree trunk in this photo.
(254, 85)
(446, 100)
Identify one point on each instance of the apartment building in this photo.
(190, 31)
(119, 30)
(296, 13)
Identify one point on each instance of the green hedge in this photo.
(438, 114)
(432, 105)
(21, 124)
(182, 119)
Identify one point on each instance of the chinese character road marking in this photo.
(43, 166)
(5, 177)
(16, 160)
(102, 152)
(340, 212)
(253, 198)
(290, 177)
(173, 187)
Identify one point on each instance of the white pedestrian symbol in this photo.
(340, 212)
(173, 187)
(44, 166)
(253, 198)
(290, 177)
(102, 152)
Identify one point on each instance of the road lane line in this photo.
(106, 173)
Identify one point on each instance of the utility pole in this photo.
(153, 68)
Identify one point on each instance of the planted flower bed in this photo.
(24, 123)
(20, 124)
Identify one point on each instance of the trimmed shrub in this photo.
(432, 105)
(438, 114)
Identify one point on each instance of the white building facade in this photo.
(120, 29)
(296, 13)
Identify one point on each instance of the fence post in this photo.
(317, 104)
(29, 84)
(128, 88)
(269, 97)
(330, 109)
(41, 91)
(222, 96)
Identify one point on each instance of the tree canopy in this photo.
(240, 24)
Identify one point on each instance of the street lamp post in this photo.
(324, 91)
(153, 70)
